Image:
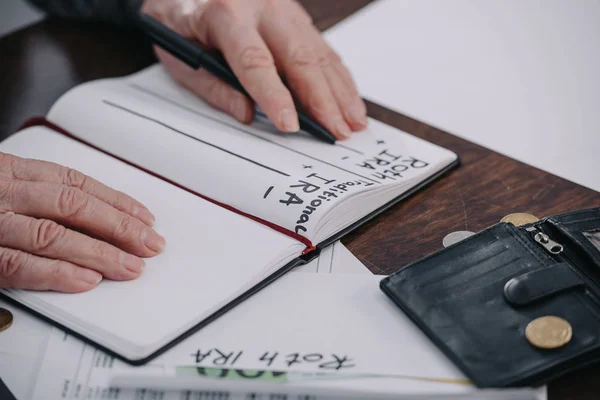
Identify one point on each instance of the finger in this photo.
(48, 239)
(294, 53)
(74, 208)
(43, 171)
(253, 64)
(26, 271)
(344, 90)
(355, 109)
(216, 92)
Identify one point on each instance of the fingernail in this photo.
(153, 240)
(342, 128)
(358, 114)
(144, 215)
(132, 263)
(89, 276)
(289, 121)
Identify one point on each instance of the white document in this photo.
(519, 77)
(336, 259)
(73, 370)
(317, 323)
(22, 347)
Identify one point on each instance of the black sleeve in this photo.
(115, 11)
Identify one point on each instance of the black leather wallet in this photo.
(477, 299)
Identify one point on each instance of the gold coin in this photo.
(548, 332)
(519, 219)
(6, 319)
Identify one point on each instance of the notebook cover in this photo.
(5, 394)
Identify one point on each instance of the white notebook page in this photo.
(210, 256)
(293, 180)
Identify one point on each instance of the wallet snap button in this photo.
(548, 332)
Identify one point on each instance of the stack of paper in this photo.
(325, 327)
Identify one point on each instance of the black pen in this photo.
(194, 56)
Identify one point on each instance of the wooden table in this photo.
(40, 63)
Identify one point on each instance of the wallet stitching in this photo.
(432, 281)
(508, 378)
(557, 361)
(472, 281)
(577, 221)
(466, 291)
(551, 292)
(585, 298)
(423, 324)
(587, 242)
(399, 277)
(575, 267)
(577, 212)
(579, 240)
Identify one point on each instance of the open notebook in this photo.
(238, 205)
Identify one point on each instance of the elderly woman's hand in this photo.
(61, 230)
(264, 41)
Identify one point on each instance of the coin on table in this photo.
(548, 332)
(6, 319)
(519, 219)
(456, 237)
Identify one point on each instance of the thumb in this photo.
(210, 88)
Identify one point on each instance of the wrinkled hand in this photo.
(261, 40)
(61, 230)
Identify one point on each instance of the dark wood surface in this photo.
(41, 62)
